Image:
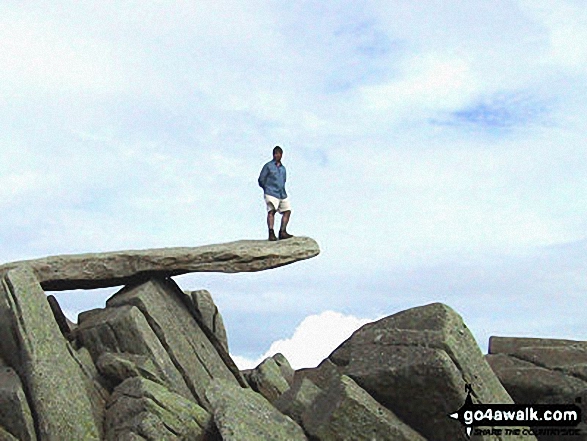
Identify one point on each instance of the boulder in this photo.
(242, 414)
(142, 409)
(417, 363)
(15, 414)
(345, 411)
(208, 311)
(268, 378)
(99, 270)
(566, 356)
(32, 344)
(542, 371)
(528, 383)
(192, 353)
(125, 331)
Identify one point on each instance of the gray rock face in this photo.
(242, 414)
(125, 331)
(345, 411)
(211, 318)
(190, 350)
(15, 414)
(268, 378)
(142, 409)
(540, 370)
(34, 347)
(417, 363)
(99, 270)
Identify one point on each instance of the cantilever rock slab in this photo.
(100, 270)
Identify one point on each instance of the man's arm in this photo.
(263, 176)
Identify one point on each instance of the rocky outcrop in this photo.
(154, 363)
(99, 270)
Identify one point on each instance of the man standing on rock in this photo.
(272, 181)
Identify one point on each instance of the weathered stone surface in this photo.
(6, 436)
(142, 409)
(298, 399)
(345, 411)
(94, 383)
(98, 270)
(242, 414)
(567, 356)
(33, 345)
(267, 378)
(528, 383)
(125, 331)
(15, 414)
(192, 353)
(209, 314)
(541, 370)
(417, 363)
(118, 367)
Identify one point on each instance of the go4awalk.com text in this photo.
(520, 419)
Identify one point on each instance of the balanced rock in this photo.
(417, 363)
(242, 414)
(99, 270)
(32, 344)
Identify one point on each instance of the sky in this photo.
(435, 150)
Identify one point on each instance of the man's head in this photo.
(277, 153)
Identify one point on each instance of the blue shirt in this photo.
(272, 180)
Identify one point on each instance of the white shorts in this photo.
(274, 203)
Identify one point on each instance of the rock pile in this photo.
(154, 363)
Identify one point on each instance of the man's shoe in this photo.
(272, 237)
(284, 235)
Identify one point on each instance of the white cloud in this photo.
(312, 341)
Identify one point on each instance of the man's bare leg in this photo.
(270, 224)
(283, 234)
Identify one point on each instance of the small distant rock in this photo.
(268, 377)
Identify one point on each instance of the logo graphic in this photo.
(459, 414)
(545, 419)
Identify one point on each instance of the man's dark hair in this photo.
(277, 149)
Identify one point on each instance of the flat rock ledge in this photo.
(101, 270)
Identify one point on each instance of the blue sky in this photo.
(435, 150)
